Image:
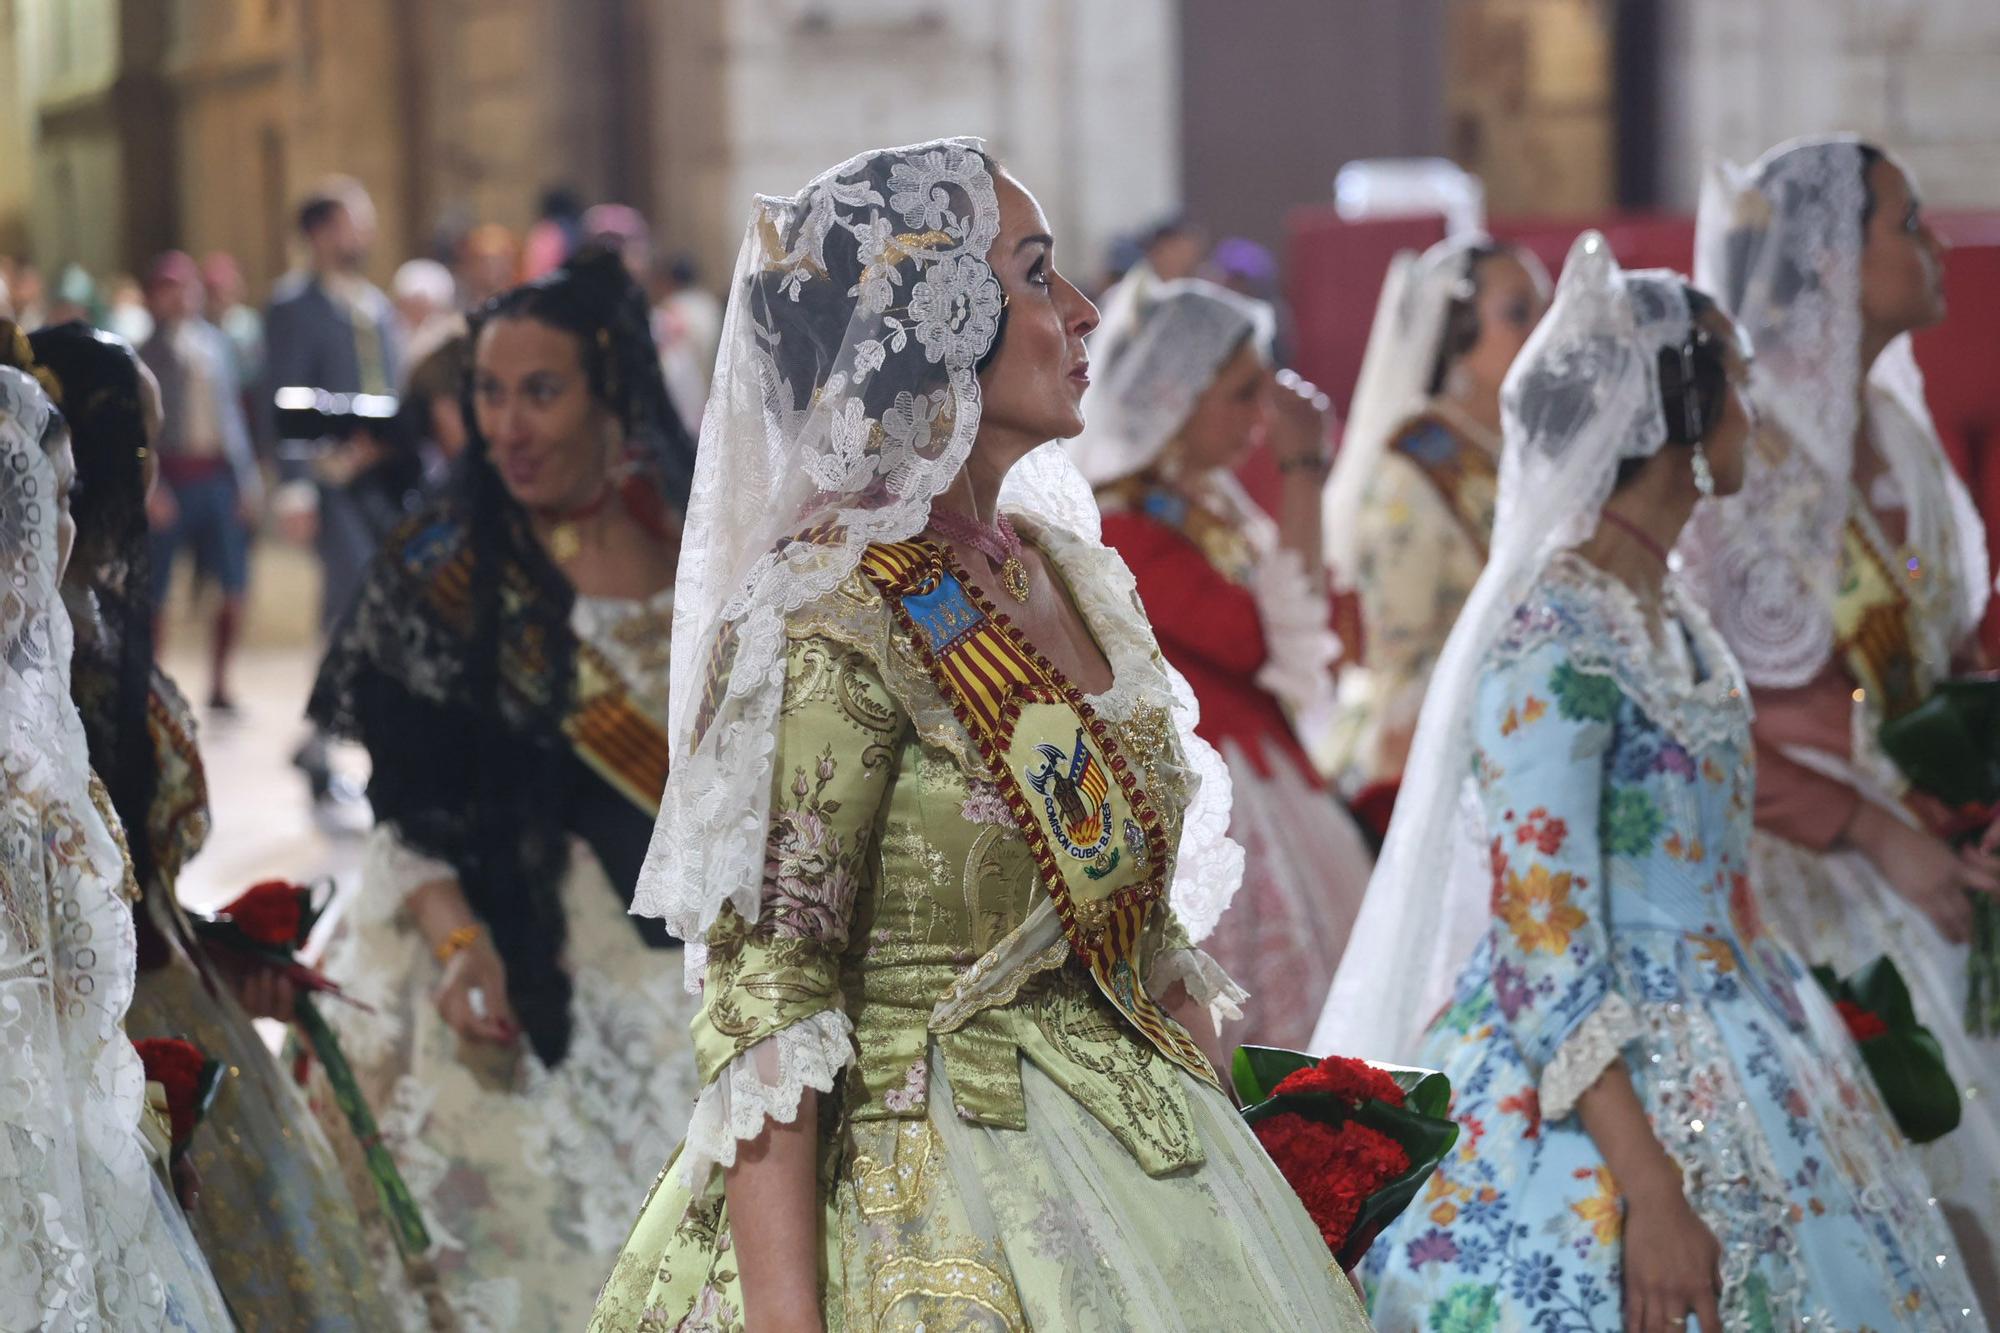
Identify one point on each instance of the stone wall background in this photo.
(1921, 76)
(128, 125)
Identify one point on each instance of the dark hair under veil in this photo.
(99, 379)
(470, 764)
(112, 677)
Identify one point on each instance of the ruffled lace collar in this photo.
(1698, 697)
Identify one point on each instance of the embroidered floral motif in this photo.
(956, 309)
(1537, 908)
(916, 1082)
(809, 876)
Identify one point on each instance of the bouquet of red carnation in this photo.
(1902, 1055)
(1948, 746)
(266, 926)
(191, 1081)
(1355, 1140)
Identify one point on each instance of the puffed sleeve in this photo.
(772, 1021)
(1543, 731)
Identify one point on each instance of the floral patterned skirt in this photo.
(1836, 909)
(1825, 1220)
(943, 1224)
(276, 1221)
(527, 1176)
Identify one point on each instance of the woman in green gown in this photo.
(935, 798)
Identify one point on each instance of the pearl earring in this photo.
(1704, 478)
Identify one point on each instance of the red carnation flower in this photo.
(1865, 1025)
(178, 1066)
(272, 914)
(1351, 1080)
(1334, 1169)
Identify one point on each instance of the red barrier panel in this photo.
(1961, 362)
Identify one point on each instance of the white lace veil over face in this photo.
(1404, 344)
(846, 397)
(1583, 397)
(1779, 246)
(1152, 363)
(75, 1188)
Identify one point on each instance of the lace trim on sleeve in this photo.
(1207, 984)
(1300, 648)
(391, 870)
(1585, 1054)
(760, 1085)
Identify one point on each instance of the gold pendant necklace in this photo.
(1014, 577)
(565, 540)
(999, 543)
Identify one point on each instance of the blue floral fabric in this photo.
(1615, 777)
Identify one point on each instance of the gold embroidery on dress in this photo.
(128, 883)
(896, 1189)
(1081, 1026)
(929, 1295)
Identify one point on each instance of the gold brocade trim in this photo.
(855, 617)
(897, 1188)
(178, 823)
(128, 884)
(613, 736)
(927, 1296)
(1873, 613)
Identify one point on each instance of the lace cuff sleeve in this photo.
(1207, 984)
(763, 1084)
(391, 870)
(1585, 1054)
(1300, 646)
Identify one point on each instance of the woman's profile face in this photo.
(57, 443)
(1032, 388)
(1902, 260)
(153, 413)
(1228, 419)
(1510, 302)
(548, 436)
(1727, 444)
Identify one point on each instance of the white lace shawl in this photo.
(76, 1189)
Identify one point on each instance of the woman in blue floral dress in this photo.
(1662, 1125)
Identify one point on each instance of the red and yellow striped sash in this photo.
(1098, 844)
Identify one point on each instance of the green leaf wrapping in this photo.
(1949, 747)
(399, 1206)
(1257, 1070)
(1906, 1062)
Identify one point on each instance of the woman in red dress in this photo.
(1238, 598)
